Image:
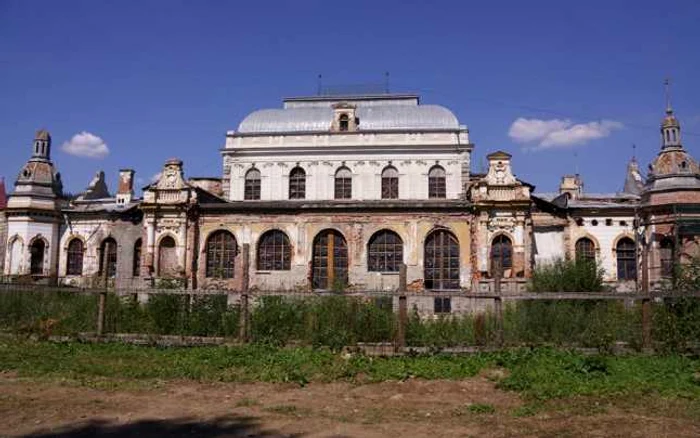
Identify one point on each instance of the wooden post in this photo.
(402, 324)
(498, 306)
(243, 319)
(101, 313)
(646, 323)
(245, 262)
(403, 285)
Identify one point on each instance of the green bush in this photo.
(567, 276)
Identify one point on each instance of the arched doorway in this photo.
(441, 261)
(167, 258)
(36, 251)
(330, 261)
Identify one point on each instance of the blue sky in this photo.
(161, 79)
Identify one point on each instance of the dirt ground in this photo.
(414, 408)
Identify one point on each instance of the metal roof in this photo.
(372, 118)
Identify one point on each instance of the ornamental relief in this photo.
(501, 223)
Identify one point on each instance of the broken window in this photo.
(330, 261)
(274, 252)
(108, 256)
(585, 249)
(501, 255)
(441, 261)
(436, 183)
(343, 183)
(442, 305)
(385, 252)
(297, 183)
(36, 252)
(626, 259)
(75, 257)
(221, 253)
(251, 189)
(390, 183)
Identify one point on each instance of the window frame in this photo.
(384, 256)
(501, 250)
(221, 250)
(251, 185)
(626, 258)
(437, 183)
(273, 248)
(442, 305)
(342, 183)
(297, 183)
(390, 183)
(75, 257)
(583, 252)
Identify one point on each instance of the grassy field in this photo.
(538, 374)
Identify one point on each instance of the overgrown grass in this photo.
(538, 374)
(567, 276)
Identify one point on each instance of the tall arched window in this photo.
(436, 183)
(252, 185)
(501, 255)
(136, 263)
(167, 258)
(297, 183)
(36, 251)
(585, 249)
(441, 261)
(390, 183)
(221, 252)
(74, 265)
(16, 251)
(626, 259)
(384, 252)
(274, 252)
(330, 261)
(343, 183)
(666, 256)
(108, 255)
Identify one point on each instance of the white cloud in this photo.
(85, 144)
(555, 133)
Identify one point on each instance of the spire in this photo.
(670, 127)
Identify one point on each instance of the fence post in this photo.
(243, 319)
(101, 312)
(245, 261)
(403, 284)
(402, 321)
(646, 323)
(498, 306)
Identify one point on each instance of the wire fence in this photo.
(384, 323)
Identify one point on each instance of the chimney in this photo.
(571, 184)
(125, 192)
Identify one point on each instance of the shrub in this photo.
(567, 276)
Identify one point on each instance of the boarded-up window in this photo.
(436, 183)
(252, 185)
(297, 183)
(136, 266)
(108, 256)
(626, 259)
(37, 257)
(585, 250)
(390, 183)
(501, 255)
(441, 261)
(384, 252)
(343, 183)
(167, 258)
(274, 252)
(75, 257)
(330, 261)
(221, 253)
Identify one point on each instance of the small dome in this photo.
(42, 134)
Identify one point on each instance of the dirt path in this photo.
(396, 409)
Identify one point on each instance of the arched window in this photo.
(343, 122)
(36, 251)
(343, 183)
(274, 252)
(501, 255)
(626, 259)
(252, 185)
(108, 255)
(297, 183)
(436, 183)
(384, 252)
(441, 261)
(390, 183)
(667, 257)
(585, 249)
(75, 257)
(136, 264)
(330, 261)
(167, 258)
(221, 252)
